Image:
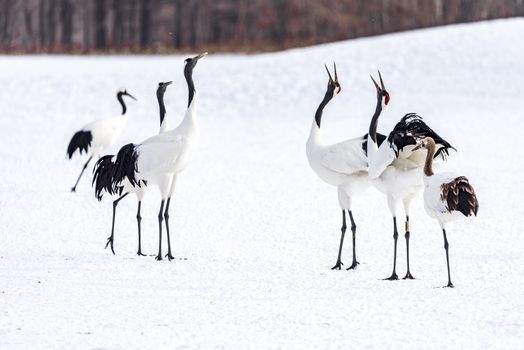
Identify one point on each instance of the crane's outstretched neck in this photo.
(188, 74)
(374, 120)
(121, 100)
(318, 114)
(161, 106)
(428, 166)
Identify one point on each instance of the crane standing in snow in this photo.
(105, 168)
(98, 135)
(447, 196)
(160, 159)
(343, 165)
(396, 168)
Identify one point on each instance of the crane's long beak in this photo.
(329, 74)
(374, 82)
(167, 83)
(133, 97)
(418, 146)
(196, 58)
(381, 81)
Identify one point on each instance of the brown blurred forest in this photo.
(83, 26)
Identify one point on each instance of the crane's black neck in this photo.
(121, 100)
(318, 115)
(188, 74)
(161, 106)
(374, 120)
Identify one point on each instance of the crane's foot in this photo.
(449, 285)
(139, 253)
(338, 265)
(408, 276)
(393, 277)
(158, 257)
(169, 256)
(73, 189)
(110, 242)
(353, 265)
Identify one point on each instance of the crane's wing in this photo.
(345, 157)
(159, 153)
(105, 131)
(459, 195)
(433, 191)
(400, 143)
(378, 161)
(408, 131)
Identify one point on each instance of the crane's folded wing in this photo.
(159, 153)
(433, 199)
(379, 160)
(345, 157)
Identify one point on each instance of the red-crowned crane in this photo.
(343, 165)
(396, 168)
(105, 168)
(447, 196)
(160, 159)
(95, 137)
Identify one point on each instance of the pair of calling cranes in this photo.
(399, 165)
(156, 161)
(396, 165)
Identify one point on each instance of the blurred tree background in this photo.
(83, 26)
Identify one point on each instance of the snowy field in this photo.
(255, 232)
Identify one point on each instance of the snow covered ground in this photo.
(255, 230)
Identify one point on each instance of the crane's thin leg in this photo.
(166, 216)
(394, 275)
(81, 173)
(138, 221)
(408, 274)
(354, 232)
(446, 246)
(343, 229)
(160, 213)
(110, 240)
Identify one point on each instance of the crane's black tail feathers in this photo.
(126, 166)
(81, 140)
(103, 174)
(412, 128)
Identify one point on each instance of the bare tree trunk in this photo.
(100, 25)
(133, 30)
(4, 28)
(66, 14)
(51, 26)
(145, 23)
(193, 24)
(118, 25)
(280, 31)
(177, 35)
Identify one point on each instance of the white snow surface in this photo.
(255, 232)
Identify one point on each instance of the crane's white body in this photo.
(343, 165)
(433, 203)
(162, 157)
(140, 191)
(398, 177)
(105, 132)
